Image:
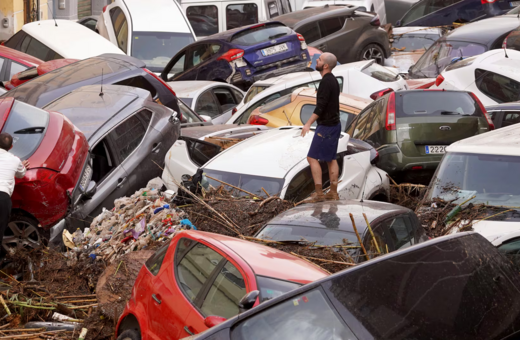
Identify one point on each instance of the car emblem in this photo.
(445, 128)
(273, 41)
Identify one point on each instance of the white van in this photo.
(209, 17)
(150, 30)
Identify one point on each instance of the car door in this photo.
(207, 105)
(227, 101)
(329, 30)
(311, 33)
(197, 56)
(204, 59)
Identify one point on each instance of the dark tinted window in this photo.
(510, 118)
(271, 288)
(195, 268)
(225, 293)
(27, 125)
(128, 135)
(310, 32)
(308, 109)
(436, 103)
(201, 152)
(260, 34)
(273, 9)
(308, 316)
(498, 87)
(139, 82)
(239, 15)
(154, 263)
(203, 19)
(225, 99)
(38, 50)
(330, 25)
(452, 292)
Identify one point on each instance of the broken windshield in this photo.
(249, 183)
(492, 179)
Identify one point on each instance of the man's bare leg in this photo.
(333, 176)
(316, 176)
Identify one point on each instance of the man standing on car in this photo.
(326, 136)
(10, 167)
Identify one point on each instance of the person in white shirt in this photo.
(10, 167)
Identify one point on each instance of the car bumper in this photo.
(394, 161)
(302, 65)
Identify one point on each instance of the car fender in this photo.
(376, 183)
(371, 37)
(177, 163)
(353, 175)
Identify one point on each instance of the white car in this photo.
(212, 100)
(409, 44)
(360, 78)
(152, 31)
(57, 39)
(486, 166)
(494, 76)
(276, 161)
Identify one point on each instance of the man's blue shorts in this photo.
(325, 143)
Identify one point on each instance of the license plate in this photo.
(86, 178)
(435, 149)
(515, 3)
(274, 49)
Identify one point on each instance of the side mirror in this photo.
(248, 301)
(206, 118)
(212, 321)
(174, 118)
(91, 190)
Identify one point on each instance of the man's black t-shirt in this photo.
(327, 104)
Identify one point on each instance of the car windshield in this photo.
(380, 73)
(188, 116)
(492, 179)
(443, 53)
(253, 91)
(436, 103)
(410, 42)
(250, 183)
(271, 288)
(157, 48)
(322, 236)
(275, 104)
(260, 34)
(27, 125)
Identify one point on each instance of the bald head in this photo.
(330, 59)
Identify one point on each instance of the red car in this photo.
(200, 279)
(13, 61)
(54, 148)
(33, 72)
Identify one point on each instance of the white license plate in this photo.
(431, 149)
(515, 3)
(274, 49)
(83, 184)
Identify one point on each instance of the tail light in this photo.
(417, 167)
(232, 54)
(257, 120)
(300, 37)
(303, 44)
(375, 21)
(381, 93)
(439, 80)
(105, 8)
(484, 112)
(234, 111)
(487, 1)
(390, 113)
(160, 80)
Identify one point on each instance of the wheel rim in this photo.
(373, 53)
(21, 235)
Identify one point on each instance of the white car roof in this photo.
(344, 98)
(271, 154)
(320, 3)
(416, 29)
(70, 39)
(504, 141)
(190, 88)
(496, 61)
(147, 18)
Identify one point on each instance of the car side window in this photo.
(400, 231)
(203, 19)
(225, 99)
(25, 43)
(207, 105)
(201, 53)
(310, 32)
(128, 135)
(38, 50)
(120, 26)
(330, 25)
(361, 123)
(194, 268)
(225, 293)
(201, 152)
(238, 95)
(375, 118)
(139, 82)
(273, 9)
(154, 263)
(15, 68)
(238, 15)
(498, 87)
(369, 243)
(510, 118)
(178, 66)
(243, 119)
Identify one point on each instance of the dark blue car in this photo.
(241, 56)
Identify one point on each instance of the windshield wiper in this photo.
(454, 113)
(31, 130)
(277, 35)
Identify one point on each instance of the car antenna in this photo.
(52, 13)
(288, 121)
(101, 93)
(505, 52)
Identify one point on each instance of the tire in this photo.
(22, 232)
(129, 334)
(372, 51)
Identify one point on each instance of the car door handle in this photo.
(120, 182)
(156, 299)
(187, 329)
(156, 146)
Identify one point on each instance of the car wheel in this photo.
(22, 232)
(373, 51)
(129, 334)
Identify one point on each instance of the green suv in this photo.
(411, 129)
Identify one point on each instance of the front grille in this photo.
(278, 63)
